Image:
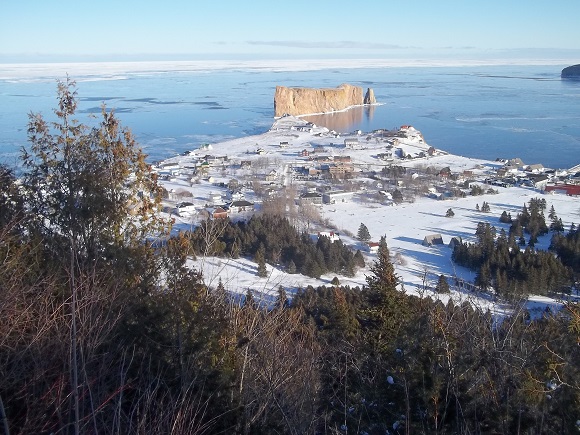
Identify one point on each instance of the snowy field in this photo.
(404, 225)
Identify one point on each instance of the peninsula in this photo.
(304, 101)
(571, 72)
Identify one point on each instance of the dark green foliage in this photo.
(363, 233)
(262, 270)
(279, 242)
(397, 196)
(476, 190)
(567, 248)
(442, 285)
(11, 201)
(449, 213)
(505, 218)
(513, 273)
(359, 260)
(394, 171)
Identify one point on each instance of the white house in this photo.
(352, 144)
(185, 208)
(336, 196)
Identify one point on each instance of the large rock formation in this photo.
(370, 97)
(303, 101)
(571, 72)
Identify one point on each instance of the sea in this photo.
(486, 112)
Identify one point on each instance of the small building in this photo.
(372, 247)
(240, 206)
(433, 239)
(535, 169)
(272, 175)
(539, 181)
(245, 164)
(352, 144)
(218, 213)
(284, 144)
(566, 189)
(215, 198)
(336, 196)
(310, 198)
(185, 208)
(304, 153)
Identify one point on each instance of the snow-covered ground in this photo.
(404, 225)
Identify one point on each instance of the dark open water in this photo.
(482, 112)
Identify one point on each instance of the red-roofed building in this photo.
(567, 189)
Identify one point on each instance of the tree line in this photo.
(273, 239)
(515, 269)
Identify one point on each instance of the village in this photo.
(321, 167)
(329, 183)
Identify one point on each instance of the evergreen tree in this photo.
(505, 218)
(291, 267)
(259, 259)
(358, 259)
(363, 233)
(11, 201)
(387, 310)
(397, 196)
(89, 187)
(442, 285)
(449, 213)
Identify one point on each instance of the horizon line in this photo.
(115, 69)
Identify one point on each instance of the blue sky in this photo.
(67, 30)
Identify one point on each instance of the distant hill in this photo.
(571, 72)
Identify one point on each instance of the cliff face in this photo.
(571, 72)
(302, 101)
(370, 97)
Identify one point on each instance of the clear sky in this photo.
(67, 30)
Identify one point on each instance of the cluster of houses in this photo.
(515, 172)
(334, 162)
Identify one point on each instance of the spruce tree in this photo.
(363, 233)
(442, 285)
(358, 258)
(388, 307)
(259, 259)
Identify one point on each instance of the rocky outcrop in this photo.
(571, 72)
(370, 97)
(303, 101)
